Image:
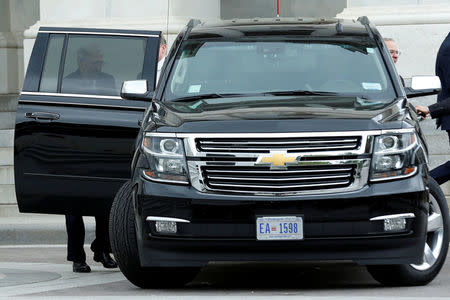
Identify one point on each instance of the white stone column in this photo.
(15, 16)
(419, 27)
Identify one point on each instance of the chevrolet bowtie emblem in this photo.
(276, 159)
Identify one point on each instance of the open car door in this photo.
(74, 135)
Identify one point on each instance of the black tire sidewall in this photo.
(123, 234)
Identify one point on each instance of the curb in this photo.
(27, 229)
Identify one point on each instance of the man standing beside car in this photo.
(394, 52)
(441, 109)
(161, 56)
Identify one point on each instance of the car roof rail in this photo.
(364, 20)
(339, 26)
(193, 22)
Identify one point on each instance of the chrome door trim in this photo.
(71, 95)
(99, 33)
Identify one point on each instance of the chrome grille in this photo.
(263, 179)
(291, 144)
(263, 164)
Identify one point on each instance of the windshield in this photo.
(234, 68)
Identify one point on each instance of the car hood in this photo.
(289, 114)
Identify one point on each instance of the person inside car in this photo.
(89, 78)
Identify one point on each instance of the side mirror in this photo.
(136, 90)
(423, 86)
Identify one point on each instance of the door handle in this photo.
(42, 115)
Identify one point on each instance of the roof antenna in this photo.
(278, 8)
(339, 27)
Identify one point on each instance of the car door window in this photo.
(98, 65)
(49, 81)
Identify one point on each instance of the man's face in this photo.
(92, 63)
(162, 52)
(393, 50)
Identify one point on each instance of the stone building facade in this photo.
(418, 26)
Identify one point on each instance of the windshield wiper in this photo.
(301, 93)
(206, 96)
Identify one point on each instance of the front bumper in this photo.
(336, 226)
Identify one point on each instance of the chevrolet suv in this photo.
(265, 140)
(279, 140)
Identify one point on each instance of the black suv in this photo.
(265, 140)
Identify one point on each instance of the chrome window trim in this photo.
(71, 95)
(82, 104)
(387, 217)
(167, 219)
(99, 33)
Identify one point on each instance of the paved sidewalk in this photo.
(26, 229)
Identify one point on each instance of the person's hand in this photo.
(422, 111)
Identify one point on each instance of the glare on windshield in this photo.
(252, 67)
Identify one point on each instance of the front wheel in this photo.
(435, 251)
(122, 234)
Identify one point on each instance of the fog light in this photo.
(166, 226)
(395, 224)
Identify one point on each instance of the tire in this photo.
(122, 233)
(437, 241)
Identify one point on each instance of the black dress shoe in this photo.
(81, 267)
(105, 259)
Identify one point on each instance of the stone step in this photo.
(6, 156)
(7, 120)
(8, 102)
(6, 138)
(7, 195)
(6, 175)
(25, 229)
(438, 144)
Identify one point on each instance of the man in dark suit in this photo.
(100, 246)
(89, 78)
(441, 110)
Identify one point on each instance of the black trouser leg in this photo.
(75, 238)
(442, 173)
(101, 242)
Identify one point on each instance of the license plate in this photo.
(279, 228)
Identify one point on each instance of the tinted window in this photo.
(49, 81)
(269, 66)
(98, 65)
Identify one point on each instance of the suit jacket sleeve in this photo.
(440, 109)
(445, 71)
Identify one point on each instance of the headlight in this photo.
(166, 159)
(394, 156)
